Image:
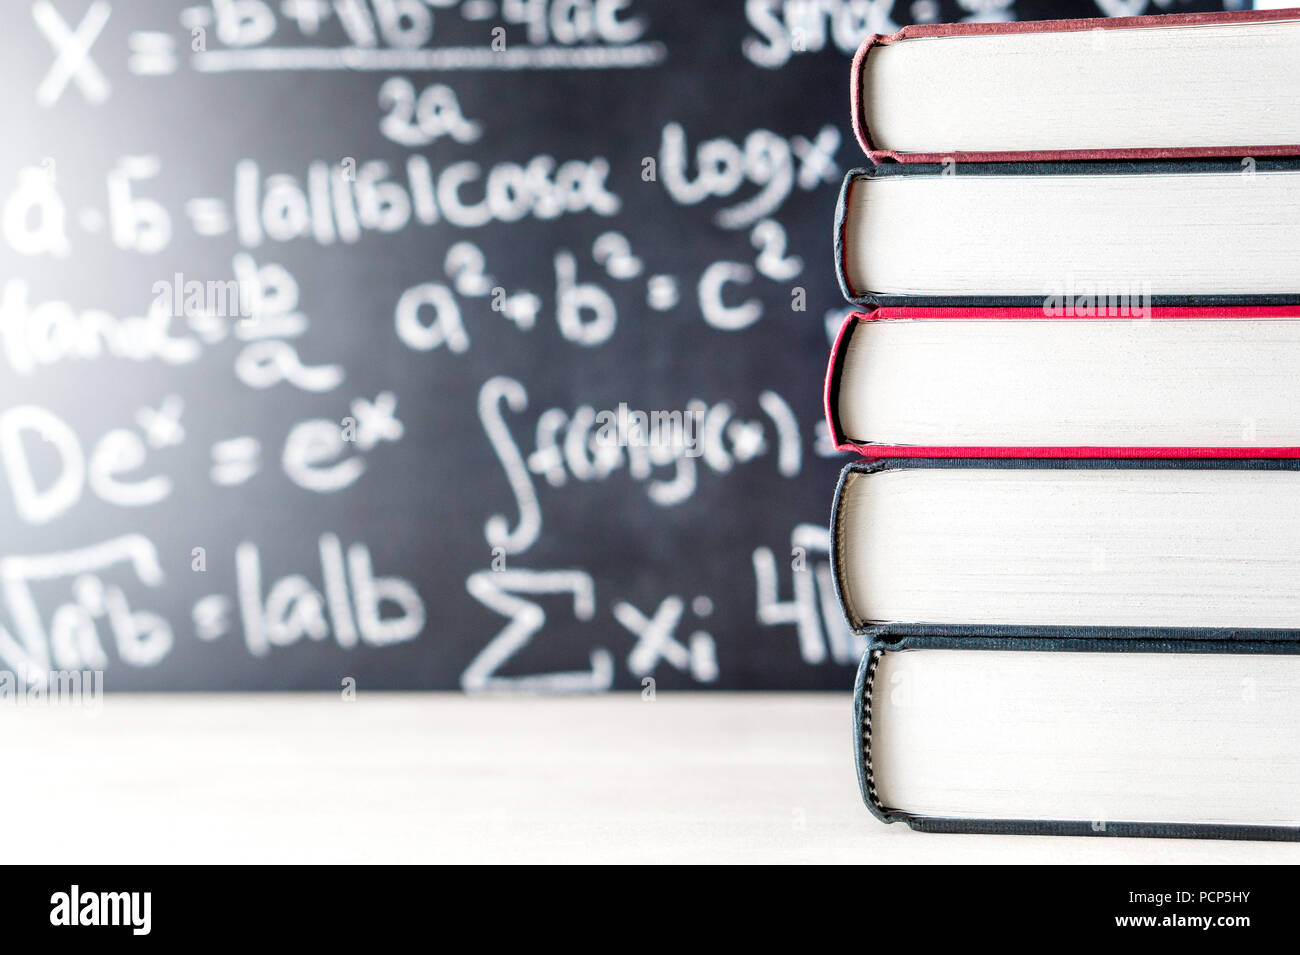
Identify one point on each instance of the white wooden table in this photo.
(431, 777)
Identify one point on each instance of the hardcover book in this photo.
(1107, 548)
(1083, 379)
(1212, 232)
(1068, 737)
(1199, 84)
(1072, 547)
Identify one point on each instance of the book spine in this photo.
(863, 688)
(859, 119)
(831, 388)
(839, 580)
(841, 242)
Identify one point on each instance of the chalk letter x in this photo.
(73, 48)
(656, 640)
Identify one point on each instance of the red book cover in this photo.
(840, 348)
(921, 31)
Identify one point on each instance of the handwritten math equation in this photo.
(440, 343)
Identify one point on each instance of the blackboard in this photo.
(313, 314)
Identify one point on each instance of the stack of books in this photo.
(1073, 537)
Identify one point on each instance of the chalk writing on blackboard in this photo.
(457, 344)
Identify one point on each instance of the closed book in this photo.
(1177, 232)
(1198, 84)
(1081, 737)
(1109, 548)
(1084, 381)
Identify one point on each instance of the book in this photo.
(1022, 382)
(1063, 738)
(1134, 87)
(1072, 543)
(1171, 233)
(1105, 547)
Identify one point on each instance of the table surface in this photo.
(687, 777)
